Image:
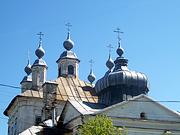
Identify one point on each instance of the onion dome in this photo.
(121, 81)
(68, 54)
(91, 77)
(27, 69)
(120, 51)
(40, 51)
(68, 43)
(110, 63)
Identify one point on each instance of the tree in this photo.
(100, 125)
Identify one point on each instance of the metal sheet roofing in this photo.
(73, 88)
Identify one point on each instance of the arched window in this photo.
(70, 70)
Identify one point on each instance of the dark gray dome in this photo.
(120, 51)
(110, 63)
(68, 43)
(27, 69)
(91, 77)
(122, 77)
(40, 51)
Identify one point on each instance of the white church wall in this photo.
(24, 113)
(71, 113)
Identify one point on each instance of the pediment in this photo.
(138, 105)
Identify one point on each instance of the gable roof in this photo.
(77, 108)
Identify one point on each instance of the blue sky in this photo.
(151, 40)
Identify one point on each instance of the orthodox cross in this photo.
(91, 63)
(68, 26)
(110, 48)
(40, 34)
(118, 32)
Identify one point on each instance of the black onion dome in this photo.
(27, 69)
(91, 77)
(122, 77)
(40, 51)
(68, 43)
(120, 51)
(110, 63)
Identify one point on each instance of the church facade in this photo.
(62, 105)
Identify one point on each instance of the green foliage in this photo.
(100, 125)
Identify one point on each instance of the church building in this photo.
(61, 105)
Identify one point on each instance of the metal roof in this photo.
(32, 130)
(82, 108)
(75, 89)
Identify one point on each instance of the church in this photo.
(61, 105)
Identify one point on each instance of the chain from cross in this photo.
(91, 63)
(110, 48)
(118, 32)
(68, 26)
(40, 34)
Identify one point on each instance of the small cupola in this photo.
(39, 67)
(91, 77)
(26, 83)
(68, 61)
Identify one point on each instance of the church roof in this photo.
(84, 108)
(75, 89)
(32, 93)
(68, 88)
(130, 109)
(32, 130)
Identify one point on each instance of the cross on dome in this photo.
(68, 26)
(91, 76)
(40, 34)
(118, 31)
(91, 63)
(110, 48)
(40, 51)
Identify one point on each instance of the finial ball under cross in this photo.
(68, 26)
(40, 34)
